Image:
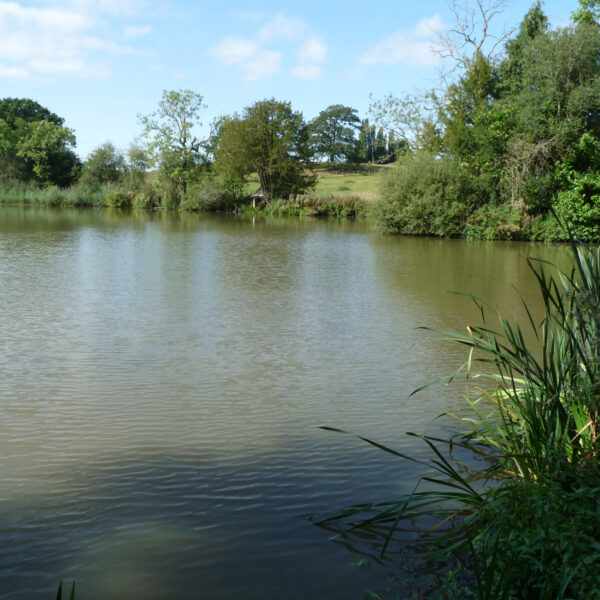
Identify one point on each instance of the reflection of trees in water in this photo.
(419, 272)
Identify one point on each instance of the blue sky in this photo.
(100, 63)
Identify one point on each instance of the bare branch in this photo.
(406, 117)
(471, 33)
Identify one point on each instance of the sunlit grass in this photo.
(362, 181)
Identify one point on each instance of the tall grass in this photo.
(77, 196)
(526, 524)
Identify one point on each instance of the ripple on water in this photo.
(162, 384)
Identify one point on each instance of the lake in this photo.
(164, 377)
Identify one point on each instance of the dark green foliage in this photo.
(533, 541)
(272, 140)
(364, 145)
(333, 132)
(534, 23)
(13, 109)
(396, 148)
(524, 132)
(105, 164)
(465, 100)
(579, 206)
(119, 199)
(59, 594)
(35, 145)
(379, 146)
(424, 195)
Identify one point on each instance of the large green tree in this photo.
(333, 132)
(13, 109)
(534, 23)
(172, 142)
(35, 145)
(105, 164)
(587, 13)
(272, 140)
(470, 95)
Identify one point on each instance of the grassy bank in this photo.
(523, 521)
(422, 197)
(360, 181)
(337, 194)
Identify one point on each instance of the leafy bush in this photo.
(424, 195)
(500, 222)
(146, 199)
(206, 195)
(579, 207)
(536, 541)
(312, 206)
(119, 199)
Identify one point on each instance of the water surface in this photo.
(163, 378)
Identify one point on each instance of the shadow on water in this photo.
(188, 525)
(205, 352)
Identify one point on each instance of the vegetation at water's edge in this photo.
(512, 139)
(524, 522)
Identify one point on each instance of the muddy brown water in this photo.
(163, 378)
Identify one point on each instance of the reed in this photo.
(526, 524)
(77, 196)
(59, 593)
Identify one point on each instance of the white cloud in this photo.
(255, 56)
(15, 72)
(266, 62)
(429, 26)
(281, 29)
(131, 32)
(412, 46)
(307, 72)
(251, 58)
(115, 8)
(233, 51)
(312, 51)
(58, 37)
(310, 54)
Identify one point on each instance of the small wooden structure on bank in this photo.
(258, 197)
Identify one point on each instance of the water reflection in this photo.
(163, 378)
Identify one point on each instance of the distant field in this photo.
(363, 182)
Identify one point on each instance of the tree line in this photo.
(268, 138)
(508, 147)
(511, 147)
